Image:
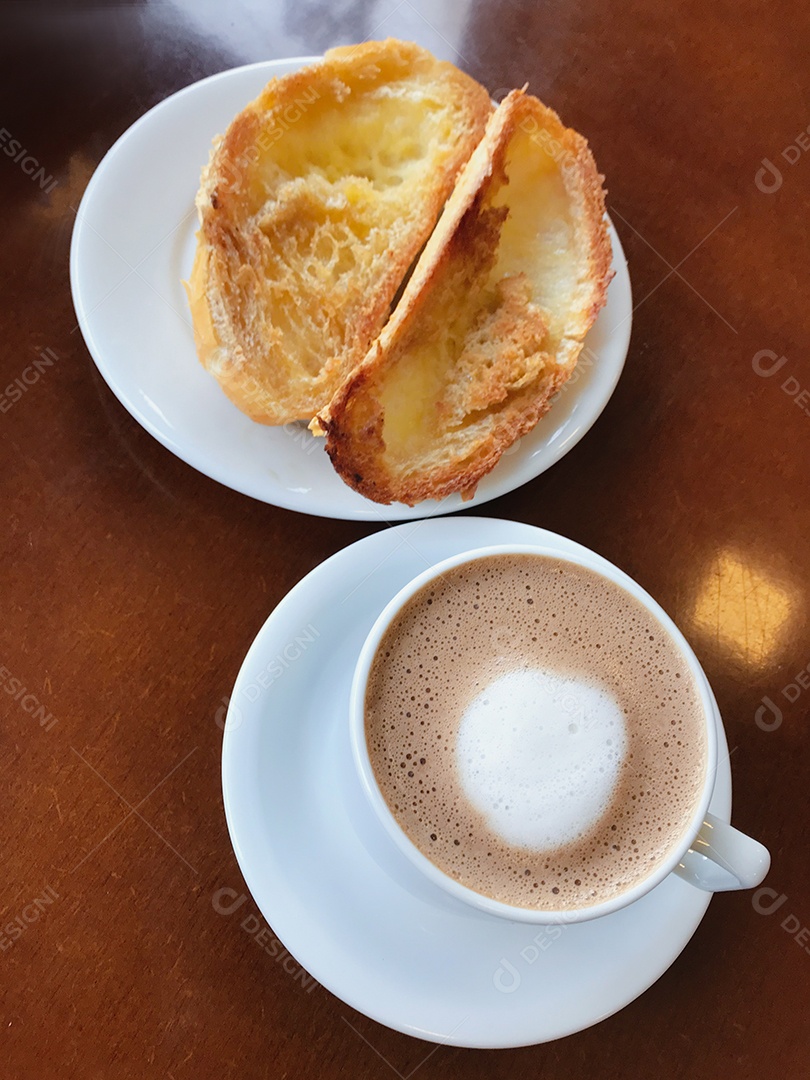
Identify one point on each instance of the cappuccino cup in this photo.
(536, 736)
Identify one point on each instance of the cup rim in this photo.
(599, 565)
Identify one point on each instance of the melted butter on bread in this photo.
(312, 208)
(491, 322)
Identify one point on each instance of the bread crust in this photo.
(275, 321)
(527, 347)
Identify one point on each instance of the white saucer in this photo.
(133, 242)
(342, 899)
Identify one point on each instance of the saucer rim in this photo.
(720, 805)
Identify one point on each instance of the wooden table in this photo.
(132, 586)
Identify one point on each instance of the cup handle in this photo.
(722, 858)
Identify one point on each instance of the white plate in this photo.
(133, 242)
(339, 895)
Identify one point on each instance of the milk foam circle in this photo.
(539, 756)
(535, 731)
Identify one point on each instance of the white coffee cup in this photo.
(711, 854)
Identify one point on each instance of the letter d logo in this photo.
(768, 716)
(228, 711)
(225, 901)
(766, 901)
(507, 978)
(768, 179)
(766, 370)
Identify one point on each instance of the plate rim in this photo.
(368, 510)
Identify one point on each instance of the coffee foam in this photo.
(535, 732)
(520, 735)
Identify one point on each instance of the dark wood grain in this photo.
(132, 586)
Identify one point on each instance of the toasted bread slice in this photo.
(312, 208)
(491, 322)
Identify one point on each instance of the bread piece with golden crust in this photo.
(491, 321)
(312, 208)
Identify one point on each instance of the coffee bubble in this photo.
(535, 731)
